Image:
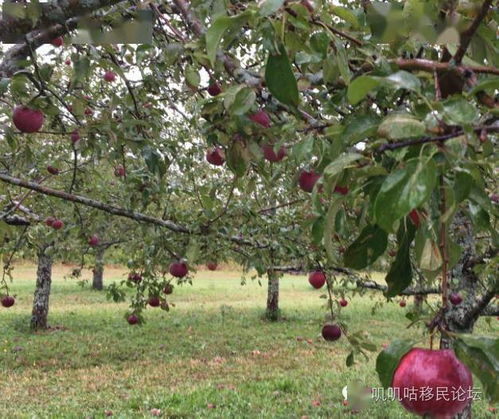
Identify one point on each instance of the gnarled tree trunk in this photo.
(98, 271)
(272, 312)
(42, 291)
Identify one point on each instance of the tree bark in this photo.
(272, 312)
(42, 291)
(98, 271)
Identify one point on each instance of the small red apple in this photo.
(49, 221)
(7, 301)
(317, 279)
(307, 180)
(392, 253)
(132, 319)
(331, 332)
(154, 301)
(119, 171)
(270, 155)
(27, 120)
(178, 269)
(75, 137)
(57, 224)
(57, 42)
(455, 299)
(67, 61)
(109, 76)
(214, 89)
(88, 111)
(342, 190)
(215, 156)
(93, 240)
(260, 117)
(168, 289)
(441, 374)
(53, 170)
(343, 302)
(134, 277)
(402, 303)
(414, 217)
(212, 266)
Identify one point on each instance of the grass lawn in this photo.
(212, 355)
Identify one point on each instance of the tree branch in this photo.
(431, 66)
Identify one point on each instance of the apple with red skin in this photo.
(57, 42)
(168, 289)
(75, 136)
(67, 61)
(270, 155)
(402, 303)
(134, 277)
(261, 118)
(215, 156)
(57, 224)
(214, 89)
(343, 302)
(414, 217)
(331, 332)
(431, 369)
(49, 221)
(212, 266)
(93, 240)
(132, 319)
(88, 111)
(317, 279)
(392, 253)
(342, 190)
(27, 120)
(455, 299)
(119, 171)
(109, 76)
(154, 301)
(178, 269)
(7, 301)
(53, 170)
(307, 180)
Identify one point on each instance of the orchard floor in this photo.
(212, 355)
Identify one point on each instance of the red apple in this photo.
(414, 217)
(494, 198)
(178, 269)
(7, 301)
(212, 266)
(214, 89)
(57, 224)
(109, 76)
(402, 303)
(331, 332)
(455, 299)
(168, 289)
(215, 156)
(260, 118)
(119, 171)
(342, 190)
(67, 61)
(75, 137)
(343, 302)
(392, 253)
(57, 42)
(134, 277)
(307, 180)
(49, 221)
(270, 155)
(88, 111)
(26, 119)
(440, 373)
(93, 241)
(53, 170)
(132, 319)
(154, 301)
(317, 279)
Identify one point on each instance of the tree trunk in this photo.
(272, 312)
(98, 271)
(42, 291)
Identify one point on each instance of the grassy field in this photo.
(211, 356)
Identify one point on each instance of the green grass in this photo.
(212, 355)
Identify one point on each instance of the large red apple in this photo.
(132, 319)
(214, 89)
(215, 156)
(445, 381)
(331, 332)
(154, 301)
(317, 279)
(178, 269)
(7, 301)
(260, 117)
(27, 120)
(307, 180)
(270, 155)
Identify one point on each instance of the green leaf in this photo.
(360, 127)
(346, 15)
(243, 101)
(403, 190)
(463, 182)
(350, 359)
(192, 77)
(81, 68)
(430, 258)
(318, 230)
(481, 355)
(280, 79)
(360, 87)
(364, 251)
(218, 29)
(334, 206)
(400, 126)
(490, 84)
(238, 158)
(400, 275)
(389, 358)
(459, 111)
(269, 7)
(341, 163)
(403, 80)
(342, 60)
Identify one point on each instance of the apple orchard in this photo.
(285, 136)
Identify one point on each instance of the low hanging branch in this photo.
(429, 66)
